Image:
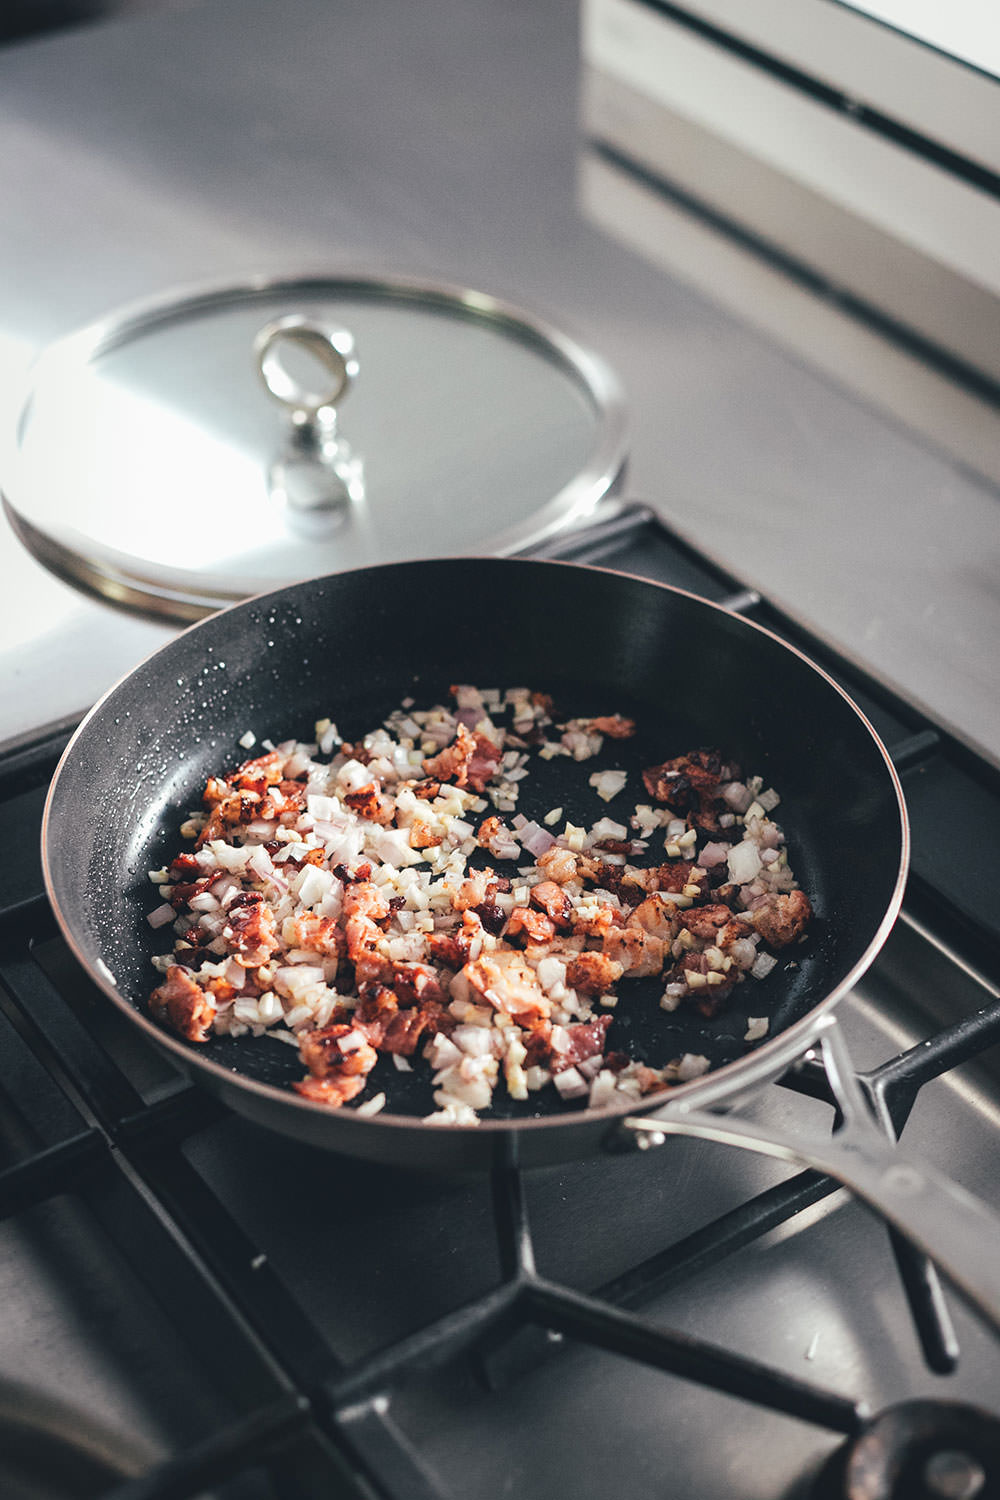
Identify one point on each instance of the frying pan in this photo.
(351, 647)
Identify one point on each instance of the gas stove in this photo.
(245, 1317)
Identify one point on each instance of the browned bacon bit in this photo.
(658, 917)
(553, 901)
(185, 889)
(421, 836)
(586, 1039)
(614, 726)
(536, 1042)
(483, 763)
(617, 846)
(451, 764)
(184, 864)
(425, 790)
(558, 864)
(602, 921)
(183, 1005)
(592, 973)
(638, 952)
(407, 1027)
(470, 760)
(488, 829)
(706, 922)
(534, 924)
(215, 790)
(675, 876)
(689, 785)
(338, 1049)
(473, 891)
(365, 900)
(256, 775)
(238, 807)
(781, 920)
(363, 938)
(505, 981)
(623, 881)
(542, 701)
(369, 803)
(314, 933)
(412, 984)
(492, 916)
(374, 1011)
(334, 1091)
(251, 930)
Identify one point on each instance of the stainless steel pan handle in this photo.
(958, 1231)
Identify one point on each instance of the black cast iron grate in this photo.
(291, 1416)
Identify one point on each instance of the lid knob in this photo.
(309, 366)
(331, 349)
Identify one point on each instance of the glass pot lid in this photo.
(204, 447)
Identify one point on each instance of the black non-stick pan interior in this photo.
(351, 647)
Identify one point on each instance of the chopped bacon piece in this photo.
(558, 864)
(677, 874)
(638, 952)
(628, 884)
(553, 901)
(586, 1039)
(483, 763)
(421, 836)
(781, 920)
(333, 1091)
(604, 920)
(258, 774)
(185, 889)
(492, 916)
(505, 981)
(365, 900)
(251, 930)
(363, 938)
(425, 790)
(689, 785)
(613, 725)
(592, 973)
(454, 949)
(470, 760)
(413, 984)
(451, 764)
(375, 1010)
(534, 924)
(369, 803)
(536, 1042)
(238, 807)
(474, 890)
(706, 922)
(337, 1049)
(404, 1031)
(658, 916)
(315, 933)
(183, 1005)
(488, 829)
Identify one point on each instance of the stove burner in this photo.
(921, 1450)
